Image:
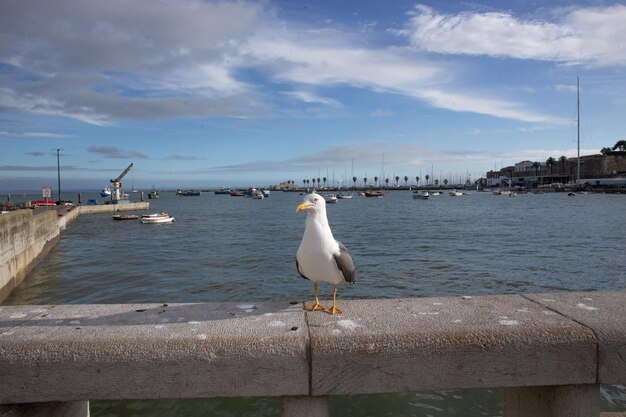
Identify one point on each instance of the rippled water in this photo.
(223, 249)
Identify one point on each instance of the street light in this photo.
(58, 173)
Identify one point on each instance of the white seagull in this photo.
(320, 257)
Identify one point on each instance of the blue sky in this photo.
(200, 93)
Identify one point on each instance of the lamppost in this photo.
(58, 173)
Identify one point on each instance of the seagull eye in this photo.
(315, 200)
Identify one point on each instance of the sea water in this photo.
(222, 248)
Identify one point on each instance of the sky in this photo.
(204, 93)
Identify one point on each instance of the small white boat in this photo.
(421, 195)
(105, 192)
(435, 193)
(455, 193)
(258, 195)
(156, 218)
(344, 196)
(330, 198)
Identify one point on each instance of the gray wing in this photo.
(300, 272)
(345, 264)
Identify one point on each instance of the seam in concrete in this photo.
(309, 349)
(595, 335)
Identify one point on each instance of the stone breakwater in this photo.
(26, 237)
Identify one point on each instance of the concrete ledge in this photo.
(605, 314)
(427, 344)
(89, 352)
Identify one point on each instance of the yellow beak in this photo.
(302, 207)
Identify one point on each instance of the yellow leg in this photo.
(317, 305)
(334, 309)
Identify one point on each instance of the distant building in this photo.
(526, 174)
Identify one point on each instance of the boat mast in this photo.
(578, 127)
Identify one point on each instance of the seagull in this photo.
(320, 257)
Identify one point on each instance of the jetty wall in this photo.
(549, 353)
(26, 237)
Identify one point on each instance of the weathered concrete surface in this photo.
(89, 352)
(605, 314)
(24, 240)
(379, 346)
(50, 409)
(555, 401)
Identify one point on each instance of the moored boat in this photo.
(188, 193)
(236, 193)
(330, 198)
(154, 194)
(421, 195)
(105, 192)
(222, 191)
(376, 194)
(125, 217)
(344, 196)
(156, 218)
(455, 193)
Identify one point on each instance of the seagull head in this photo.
(313, 204)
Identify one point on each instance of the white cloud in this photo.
(146, 60)
(309, 97)
(575, 36)
(44, 135)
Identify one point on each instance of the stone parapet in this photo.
(72, 353)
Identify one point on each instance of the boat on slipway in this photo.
(156, 218)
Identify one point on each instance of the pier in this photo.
(26, 236)
(549, 353)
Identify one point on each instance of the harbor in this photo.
(470, 246)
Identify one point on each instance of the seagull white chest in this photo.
(316, 254)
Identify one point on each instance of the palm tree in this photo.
(324, 179)
(406, 181)
(536, 165)
(354, 182)
(313, 182)
(445, 182)
(318, 181)
(364, 181)
(387, 182)
(397, 179)
(304, 182)
(427, 178)
(549, 162)
(417, 181)
(376, 181)
(436, 182)
(562, 160)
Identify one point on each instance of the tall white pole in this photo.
(578, 126)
